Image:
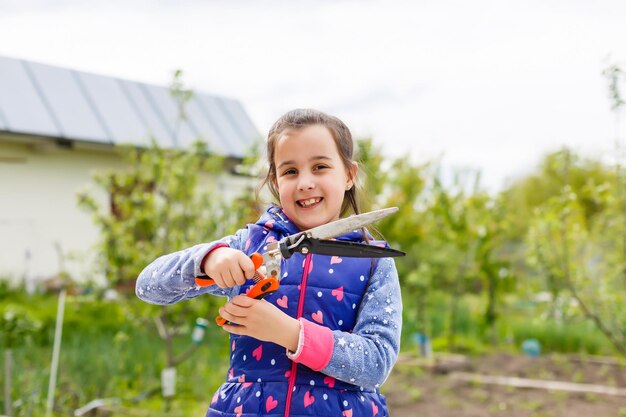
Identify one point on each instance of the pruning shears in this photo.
(315, 240)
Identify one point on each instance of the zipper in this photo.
(294, 366)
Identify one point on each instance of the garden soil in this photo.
(419, 388)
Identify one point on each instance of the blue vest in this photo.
(326, 290)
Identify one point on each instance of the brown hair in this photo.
(299, 119)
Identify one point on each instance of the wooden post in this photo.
(8, 362)
(538, 384)
(56, 350)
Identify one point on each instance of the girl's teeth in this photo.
(309, 202)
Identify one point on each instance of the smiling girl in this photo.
(325, 341)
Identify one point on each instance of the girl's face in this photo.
(310, 176)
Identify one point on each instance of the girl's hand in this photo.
(261, 320)
(228, 267)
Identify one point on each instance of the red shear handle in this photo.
(263, 287)
(257, 260)
(204, 281)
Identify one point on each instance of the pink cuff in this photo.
(315, 345)
(219, 245)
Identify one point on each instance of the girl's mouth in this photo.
(309, 202)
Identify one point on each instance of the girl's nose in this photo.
(306, 183)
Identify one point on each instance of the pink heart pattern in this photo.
(347, 413)
(258, 353)
(270, 239)
(330, 381)
(335, 260)
(282, 301)
(247, 245)
(238, 410)
(374, 409)
(214, 399)
(338, 293)
(318, 317)
(270, 404)
(308, 399)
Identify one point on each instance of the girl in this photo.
(328, 338)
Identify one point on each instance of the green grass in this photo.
(107, 365)
(514, 325)
(105, 353)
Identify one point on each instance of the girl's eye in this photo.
(289, 172)
(320, 167)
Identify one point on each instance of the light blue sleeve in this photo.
(171, 278)
(366, 356)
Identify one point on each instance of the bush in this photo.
(580, 337)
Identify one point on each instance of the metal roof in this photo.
(55, 102)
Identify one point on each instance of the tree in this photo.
(581, 257)
(166, 200)
(372, 176)
(404, 188)
(529, 197)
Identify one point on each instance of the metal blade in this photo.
(343, 226)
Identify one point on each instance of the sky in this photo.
(482, 85)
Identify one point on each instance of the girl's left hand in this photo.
(261, 320)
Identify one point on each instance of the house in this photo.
(58, 127)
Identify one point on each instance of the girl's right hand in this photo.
(228, 267)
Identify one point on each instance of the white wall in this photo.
(41, 226)
(39, 183)
(38, 209)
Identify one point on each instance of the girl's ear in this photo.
(354, 169)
